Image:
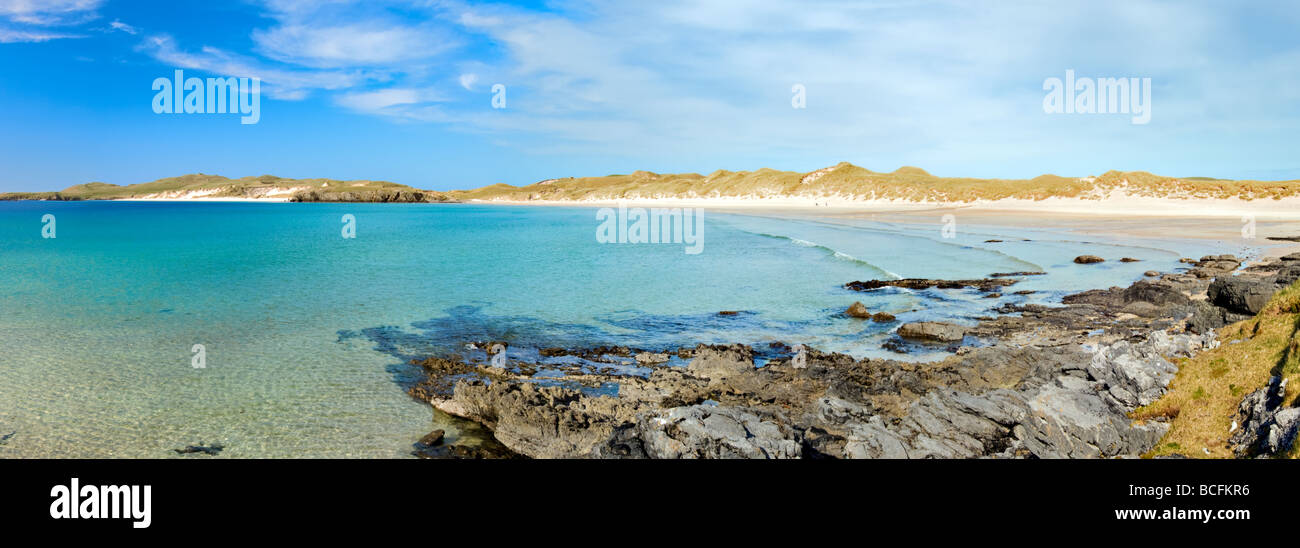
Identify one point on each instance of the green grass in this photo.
(1204, 395)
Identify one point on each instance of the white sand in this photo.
(1116, 214)
(1116, 204)
(227, 199)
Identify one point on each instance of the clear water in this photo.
(306, 332)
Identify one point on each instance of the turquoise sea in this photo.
(305, 332)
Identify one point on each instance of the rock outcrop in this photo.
(932, 331)
(1045, 382)
(1265, 428)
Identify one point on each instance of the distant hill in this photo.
(848, 181)
(200, 185)
(842, 181)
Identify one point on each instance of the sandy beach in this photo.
(1117, 215)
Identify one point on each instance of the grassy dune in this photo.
(849, 181)
(1204, 395)
(843, 180)
(216, 186)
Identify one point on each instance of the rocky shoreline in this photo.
(1043, 382)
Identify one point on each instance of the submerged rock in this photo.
(1088, 259)
(858, 310)
(213, 449)
(432, 438)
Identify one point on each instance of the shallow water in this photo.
(306, 332)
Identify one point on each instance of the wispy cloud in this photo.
(9, 36)
(341, 33)
(279, 83)
(120, 26)
(49, 12)
(29, 20)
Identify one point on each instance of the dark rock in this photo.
(1088, 259)
(1151, 274)
(922, 283)
(1129, 260)
(200, 448)
(1263, 427)
(883, 317)
(1206, 317)
(1287, 276)
(1157, 294)
(1012, 274)
(432, 438)
(1244, 296)
(728, 312)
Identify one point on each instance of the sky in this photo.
(403, 90)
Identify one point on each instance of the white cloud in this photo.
(29, 19)
(377, 101)
(343, 33)
(8, 36)
(119, 25)
(348, 45)
(49, 12)
(468, 80)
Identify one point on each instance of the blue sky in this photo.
(401, 90)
